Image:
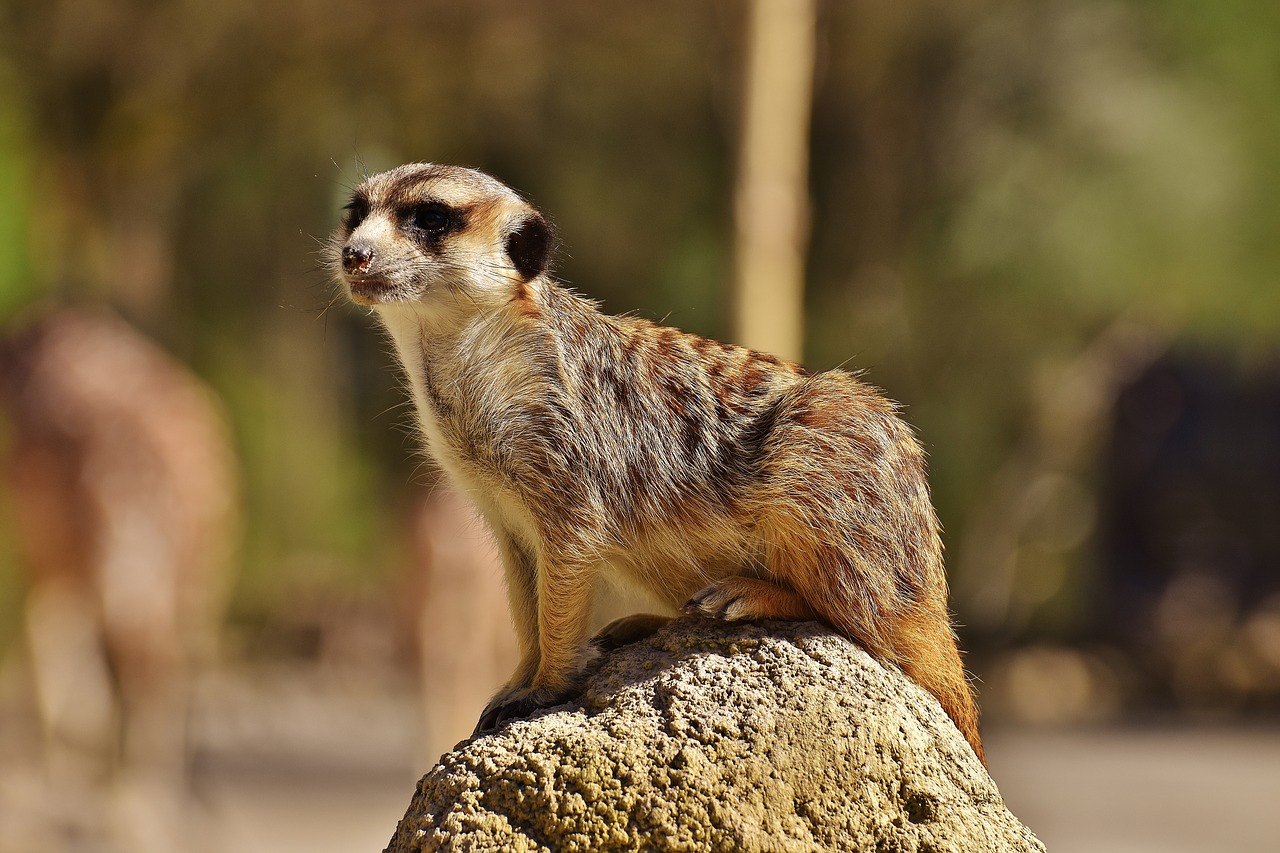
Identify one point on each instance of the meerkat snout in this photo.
(357, 257)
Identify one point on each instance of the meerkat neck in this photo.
(429, 336)
(438, 321)
(415, 332)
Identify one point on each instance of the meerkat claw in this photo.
(714, 603)
(505, 708)
(495, 716)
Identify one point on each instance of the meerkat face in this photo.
(426, 232)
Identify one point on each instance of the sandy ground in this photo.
(1168, 788)
(317, 762)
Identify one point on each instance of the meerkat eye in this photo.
(431, 217)
(357, 209)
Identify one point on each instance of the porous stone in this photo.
(766, 736)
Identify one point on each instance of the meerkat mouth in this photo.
(370, 291)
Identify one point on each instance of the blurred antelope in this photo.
(124, 512)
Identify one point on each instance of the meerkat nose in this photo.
(356, 258)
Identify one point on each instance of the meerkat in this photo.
(719, 479)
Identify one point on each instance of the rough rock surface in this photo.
(712, 736)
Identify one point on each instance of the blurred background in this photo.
(235, 613)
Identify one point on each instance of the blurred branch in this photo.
(772, 208)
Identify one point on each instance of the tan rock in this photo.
(709, 736)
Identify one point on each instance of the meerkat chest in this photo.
(472, 390)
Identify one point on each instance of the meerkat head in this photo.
(426, 232)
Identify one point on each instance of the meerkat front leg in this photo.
(563, 602)
(521, 571)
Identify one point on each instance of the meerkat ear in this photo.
(529, 246)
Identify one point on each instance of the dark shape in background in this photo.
(1189, 533)
(1016, 209)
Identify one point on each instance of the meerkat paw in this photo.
(736, 598)
(628, 630)
(518, 701)
(512, 705)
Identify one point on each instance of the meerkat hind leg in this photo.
(627, 630)
(737, 598)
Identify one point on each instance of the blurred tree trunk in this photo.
(772, 207)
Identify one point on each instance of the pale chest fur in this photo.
(522, 419)
(469, 389)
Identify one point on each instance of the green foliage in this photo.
(990, 190)
(16, 286)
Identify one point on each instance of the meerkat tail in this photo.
(926, 650)
(919, 638)
(923, 645)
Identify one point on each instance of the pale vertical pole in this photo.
(772, 203)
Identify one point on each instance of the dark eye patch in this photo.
(357, 209)
(432, 217)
